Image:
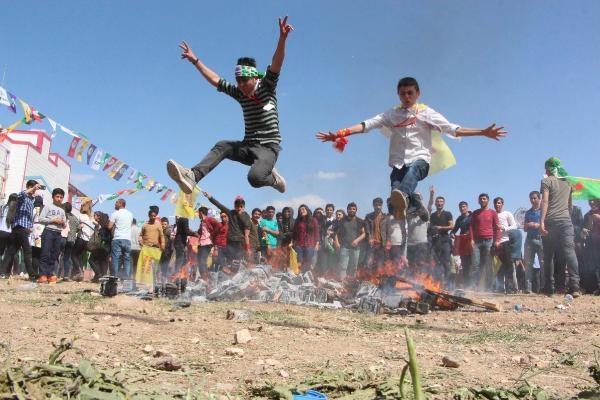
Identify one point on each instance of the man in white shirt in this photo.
(506, 278)
(121, 220)
(409, 128)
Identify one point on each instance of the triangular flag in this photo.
(173, 198)
(110, 162)
(120, 172)
(67, 130)
(150, 185)
(90, 152)
(98, 160)
(115, 168)
(73, 146)
(132, 175)
(26, 111)
(80, 149)
(53, 125)
(13, 126)
(164, 196)
(4, 99)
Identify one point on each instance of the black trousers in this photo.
(79, 249)
(260, 157)
(19, 239)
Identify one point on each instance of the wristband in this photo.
(194, 62)
(342, 132)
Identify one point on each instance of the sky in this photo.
(112, 70)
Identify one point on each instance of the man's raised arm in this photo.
(284, 29)
(206, 72)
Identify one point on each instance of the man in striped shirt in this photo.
(255, 92)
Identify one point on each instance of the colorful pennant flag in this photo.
(53, 125)
(67, 130)
(90, 152)
(73, 146)
(80, 149)
(109, 161)
(26, 111)
(164, 196)
(98, 160)
(121, 172)
(7, 99)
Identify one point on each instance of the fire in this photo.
(183, 273)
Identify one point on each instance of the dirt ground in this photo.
(542, 344)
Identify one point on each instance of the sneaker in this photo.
(3, 276)
(42, 279)
(398, 200)
(279, 183)
(184, 177)
(78, 278)
(575, 294)
(66, 279)
(52, 279)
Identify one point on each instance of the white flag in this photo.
(98, 159)
(4, 97)
(53, 125)
(67, 131)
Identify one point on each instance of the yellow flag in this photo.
(441, 157)
(26, 111)
(13, 126)
(148, 263)
(185, 204)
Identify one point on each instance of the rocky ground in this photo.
(156, 348)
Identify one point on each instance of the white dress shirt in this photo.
(409, 131)
(507, 223)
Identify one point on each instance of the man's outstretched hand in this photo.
(494, 132)
(187, 52)
(284, 27)
(326, 136)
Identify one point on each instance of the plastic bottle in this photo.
(568, 298)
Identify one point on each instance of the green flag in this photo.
(584, 188)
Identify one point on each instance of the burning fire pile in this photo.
(382, 292)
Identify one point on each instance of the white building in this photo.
(26, 155)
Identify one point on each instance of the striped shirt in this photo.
(261, 116)
(24, 214)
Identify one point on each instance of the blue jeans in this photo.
(120, 249)
(305, 257)
(406, 178)
(50, 251)
(348, 261)
(481, 263)
(533, 246)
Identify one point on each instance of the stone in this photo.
(450, 362)
(234, 351)
(166, 363)
(271, 362)
(238, 315)
(284, 374)
(148, 349)
(242, 336)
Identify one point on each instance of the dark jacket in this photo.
(383, 226)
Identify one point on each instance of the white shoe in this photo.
(184, 177)
(398, 200)
(279, 183)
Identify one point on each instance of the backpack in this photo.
(95, 240)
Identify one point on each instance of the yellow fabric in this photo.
(82, 146)
(185, 204)
(26, 111)
(441, 155)
(13, 126)
(148, 261)
(294, 267)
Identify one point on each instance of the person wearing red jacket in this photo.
(485, 232)
(208, 226)
(305, 236)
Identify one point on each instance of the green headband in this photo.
(554, 165)
(248, 72)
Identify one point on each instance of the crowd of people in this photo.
(482, 249)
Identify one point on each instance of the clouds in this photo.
(311, 200)
(78, 179)
(330, 175)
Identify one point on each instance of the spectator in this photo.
(21, 224)
(287, 221)
(167, 249)
(73, 228)
(376, 224)
(591, 232)
(7, 215)
(87, 223)
(349, 235)
(99, 245)
(152, 236)
(255, 235)
(135, 246)
(270, 232)
(557, 227)
(121, 220)
(305, 237)
(417, 249)
(54, 219)
(440, 224)
(533, 243)
(219, 238)
(238, 231)
(485, 232)
(209, 227)
(462, 241)
(506, 278)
